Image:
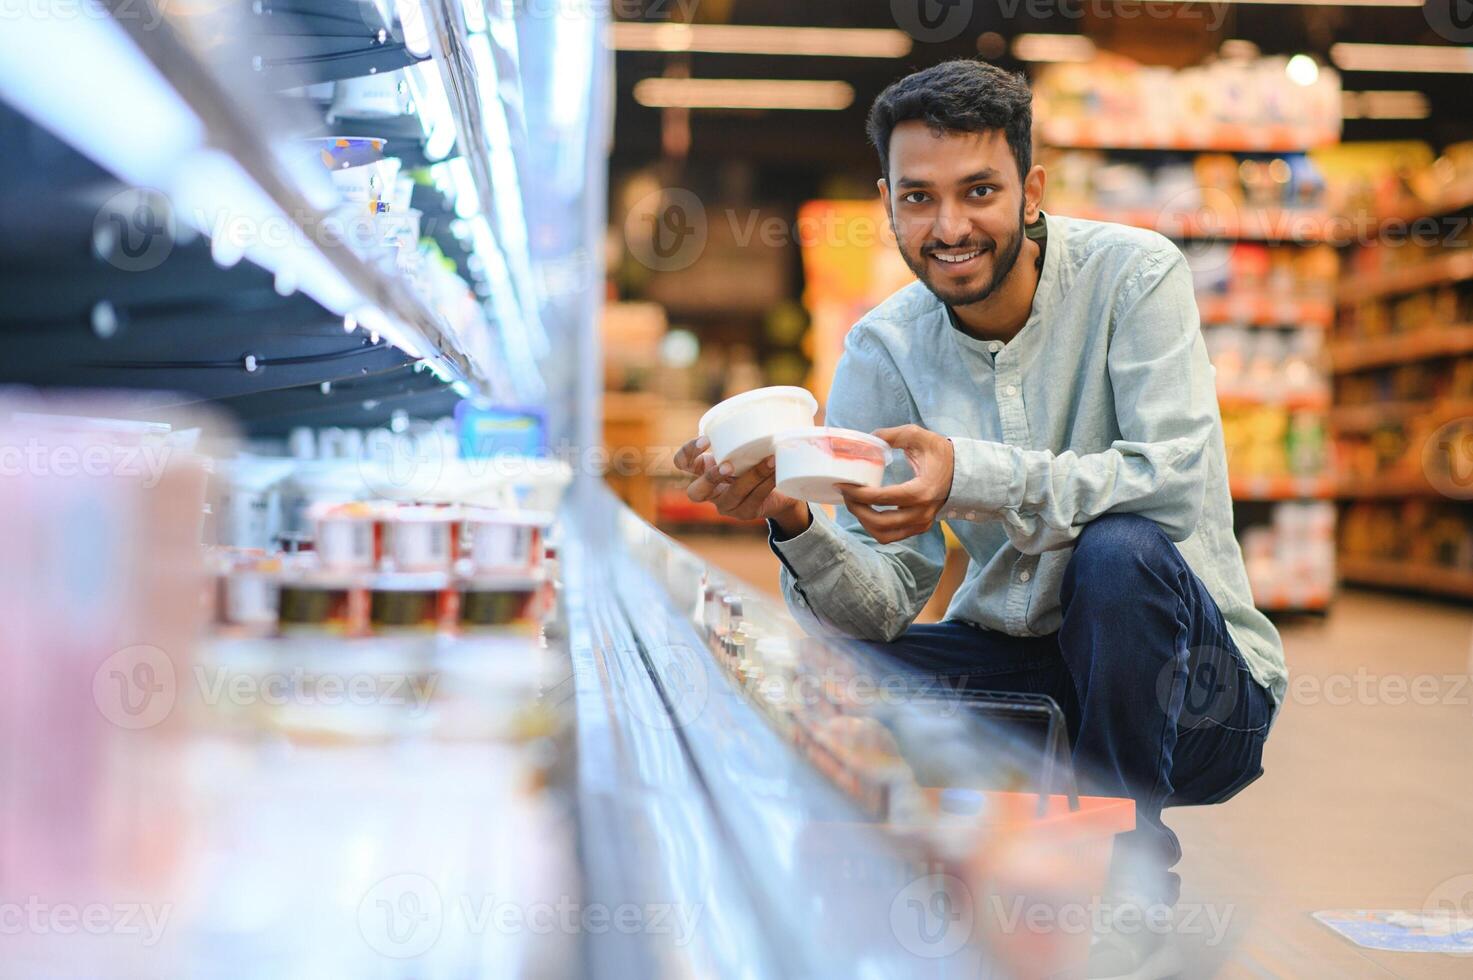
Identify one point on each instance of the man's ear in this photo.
(1033, 193)
(884, 186)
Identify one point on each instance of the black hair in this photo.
(961, 96)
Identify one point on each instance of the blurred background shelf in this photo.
(1391, 574)
(1361, 353)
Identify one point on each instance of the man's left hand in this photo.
(917, 501)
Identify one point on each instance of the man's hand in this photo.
(750, 496)
(916, 501)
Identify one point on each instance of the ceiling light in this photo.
(1403, 57)
(1302, 70)
(1384, 105)
(742, 93)
(841, 42)
(1053, 47)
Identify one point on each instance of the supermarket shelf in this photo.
(1285, 602)
(1248, 224)
(1292, 403)
(1137, 134)
(1421, 275)
(1391, 485)
(1265, 311)
(1393, 574)
(1253, 488)
(1421, 345)
(1456, 198)
(1364, 418)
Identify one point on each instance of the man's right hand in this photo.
(748, 496)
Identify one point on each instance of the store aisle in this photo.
(1366, 798)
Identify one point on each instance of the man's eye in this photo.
(915, 197)
(982, 191)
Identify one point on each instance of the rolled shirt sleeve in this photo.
(835, 575)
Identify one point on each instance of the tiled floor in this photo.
(1366, 800)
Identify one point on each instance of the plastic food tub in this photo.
(421, 539)
(348, 536)
(505, 540)
(813, 463)
(742, 429)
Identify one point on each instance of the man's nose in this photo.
(952, 225)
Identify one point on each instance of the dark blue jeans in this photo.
(1159, 703)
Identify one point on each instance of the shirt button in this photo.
(971, 515)
(1010, 390)
(1025, 575)
(994, 347)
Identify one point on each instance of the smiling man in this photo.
(1047, 379)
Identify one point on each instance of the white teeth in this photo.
(953, 259)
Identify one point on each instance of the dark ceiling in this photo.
(803, 146)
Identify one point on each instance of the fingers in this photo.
(887, 526)
(749, 507)
(687, 456)
(902, 436)
(906, 494)
(742, 487)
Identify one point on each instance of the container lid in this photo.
(746, 398)
(823, 431)
(520, 518)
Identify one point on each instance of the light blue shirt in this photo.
(1103, 403)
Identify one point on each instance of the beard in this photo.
(1005, 256)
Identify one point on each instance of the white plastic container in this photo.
(347, 536)
(742, 429)
(378, 96)
(421, 539)
(813, 463)
(506, 540)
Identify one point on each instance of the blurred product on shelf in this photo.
(1291, 560)
(1264, 285)
(1397, 181)
(1421, 544)
(1231, 103)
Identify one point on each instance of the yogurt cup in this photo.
(742, 429)
(348, 536)
(813, 463)
(421, 539)
(505, 541)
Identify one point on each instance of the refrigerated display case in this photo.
(298, 682)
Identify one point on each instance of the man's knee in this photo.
(1115, 553)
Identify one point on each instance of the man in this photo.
(1048, 382)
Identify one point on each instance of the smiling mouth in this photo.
(957, 258)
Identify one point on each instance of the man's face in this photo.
(958, 207)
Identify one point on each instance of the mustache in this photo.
(968, 244)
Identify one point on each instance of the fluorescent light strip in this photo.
(1315, 3)
(741, 93)
(1384, 105)
(1053, 47)
(1432, 58)
(837, 42)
